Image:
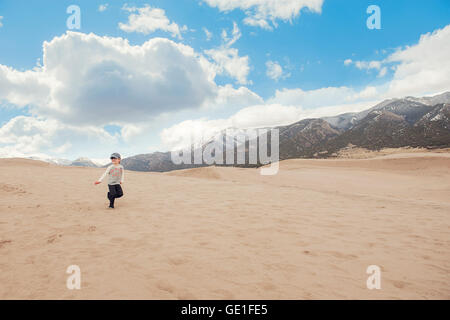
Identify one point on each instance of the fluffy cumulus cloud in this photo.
(147, 20)
(275, 71)
(422, 68)
(86, 79)
(227, 60)
(32, 136)
(368, 65)
(24, 87)
(228, 96)
(265, 13)
(419, 69)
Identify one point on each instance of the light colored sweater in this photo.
(115, 174)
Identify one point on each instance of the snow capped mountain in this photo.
(434, 100)
(411, 108)
(83, 162)
(401, 122)
(57, 161)
(230, 137)
(80, 162)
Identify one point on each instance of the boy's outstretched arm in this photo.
(123, 175)
(103, 176)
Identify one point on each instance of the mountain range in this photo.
(409, 121)
(393, 123)
(80, 162)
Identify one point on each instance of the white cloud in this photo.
(419, 69)
(147, 20)
(208, 34)
(30, 136)
(86, 78)
(230, 97)
(422, 68)
(190, 132)
(275, 71)
(368, 65)
(22, 88)
(260, 12)
(348, 62)
(108, 81)
(129, 131)
(1, 24)
(227, 60)
(261, 23)
(235, 35)
(382, 72)
(103, 7)
(62, 148)
(322, 97)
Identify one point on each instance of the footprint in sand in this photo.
(399, 283)
(4, 242)
(268, 286)
(176, 261)
(12, 189)
(92, 228)
(165, 286)
(53, 238)
(309, 253)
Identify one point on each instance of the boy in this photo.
(115, 173)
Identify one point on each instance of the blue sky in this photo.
(309, 53)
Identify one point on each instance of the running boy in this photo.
(115, 173)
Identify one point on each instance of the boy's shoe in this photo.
(110, 207)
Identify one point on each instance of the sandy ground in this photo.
(225, 233)
(353, 152)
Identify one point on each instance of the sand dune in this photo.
(228, 233)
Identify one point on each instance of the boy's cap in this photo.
(115, 155)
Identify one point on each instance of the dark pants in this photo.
(115, 191)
